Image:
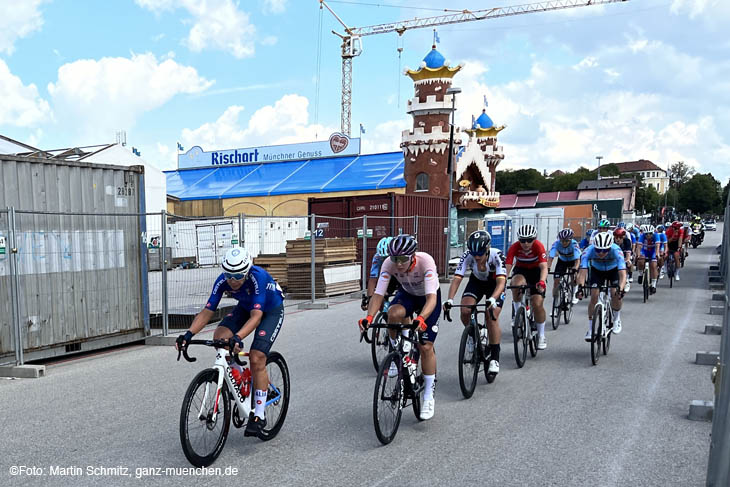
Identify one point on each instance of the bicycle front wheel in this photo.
(277, 398)
(519, 333)
(596, 337)
(555, 315)
(202, 432)
(388, 398)
(379, 345)
(468, 361)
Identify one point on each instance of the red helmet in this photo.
(619, 232)
(677, 225)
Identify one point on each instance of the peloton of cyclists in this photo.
(675, 236)
(623, 240)
(661, 256)
(527, 265)
(565, 248)
(419, 294)
(607, 264)
(648, 250)
(260, 309)
(488, 278)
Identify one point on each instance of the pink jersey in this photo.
(421, 279)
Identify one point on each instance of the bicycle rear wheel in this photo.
(380, 343)
(201, 436)
(468, 361)
(596, 335)
(532, 338)
(645, 285)
(519, 333)
(607, 339)
(568, 304)
(277, 399)
(388, 399)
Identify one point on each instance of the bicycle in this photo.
(200, 416)
(473, 349)
(392, 392)
(671, 268)
(519, 327)
(564, 302)
(645, 281)
(602, 328)
(378, 340)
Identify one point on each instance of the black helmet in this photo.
(402, 245)
(479, 242)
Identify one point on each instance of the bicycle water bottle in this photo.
(483, 336)
(412, 366)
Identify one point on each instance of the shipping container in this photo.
(387, 215)
(81, 262)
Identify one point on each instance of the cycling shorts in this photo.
(562, 267)
(414, 305)
(477, 289)
(532, 277)
(649, 253)
(673, 246)
(267, 331)
(598, 278)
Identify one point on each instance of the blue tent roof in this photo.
(484, 121)
(434, 59)
(351, 173)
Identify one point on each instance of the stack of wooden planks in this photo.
(336, 269)
(274, 264)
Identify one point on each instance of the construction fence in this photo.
(72, 282)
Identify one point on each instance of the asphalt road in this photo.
(559, 421)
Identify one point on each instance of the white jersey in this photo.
(493, 267)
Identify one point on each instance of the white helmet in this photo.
(603, 241)
(237, 261)
(527, 231)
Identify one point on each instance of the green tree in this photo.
(700, 194)
(608, 170)
(648, 199)
(680, 173)
(723, 199)
(512, 181)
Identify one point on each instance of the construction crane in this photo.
(352, 38)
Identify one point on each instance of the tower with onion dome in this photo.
(476, 166)
(425, 146)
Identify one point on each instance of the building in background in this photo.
(651, 174)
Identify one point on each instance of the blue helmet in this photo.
(621, 225)
(589, 232)
(660, 228)
(604, 224)
(382, 248)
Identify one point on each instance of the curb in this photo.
(707, 358)
(700, 410)
(23, 371)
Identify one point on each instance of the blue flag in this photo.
(485, 101)
(362, 129)
(180, 147)
(436, 38)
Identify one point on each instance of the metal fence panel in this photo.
(79, 278)
(7, 312)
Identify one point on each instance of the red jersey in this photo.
(673, 234)
(528, 260)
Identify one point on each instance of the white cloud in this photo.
(275, 6)
(20, 105)
(385, 137)
(217, 24)
(102, 96)
(284, 122)
(269, 41)
(18, 20)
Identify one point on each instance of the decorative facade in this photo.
(425, 146)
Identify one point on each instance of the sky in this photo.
(641, 79)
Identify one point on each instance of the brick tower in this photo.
(425, 147)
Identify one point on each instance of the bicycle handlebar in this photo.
(447, 313)
(218, 343)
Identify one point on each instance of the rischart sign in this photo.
(337, 145)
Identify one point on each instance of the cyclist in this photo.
(675, 238)
(687, 228)
(635, 234)
(568, 253)
(260, 310)
(528, 258)
(662, 255)
(419, 293)
(488, 278)
(623, 240)
(586, 241)
(604, 225)
(607, 263)
(648, 249)
(698, 227)
(381, 254)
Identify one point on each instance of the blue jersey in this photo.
(375, 265)
(662, 239)
(636, 234)
(649, 240)
(571, 252)
(612, 260)
(584, 243)
(259, 291)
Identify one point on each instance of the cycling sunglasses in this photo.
(478, 254)
(236, 277)
(400, 259)
(604, 251)
(526, 240)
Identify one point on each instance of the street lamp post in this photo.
(599, 174)
(453, 92)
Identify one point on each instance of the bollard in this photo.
(713, 329)
(701, 410)
(717, 310)
(707, 358)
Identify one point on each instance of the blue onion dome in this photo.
(484, 121)
(434, 59)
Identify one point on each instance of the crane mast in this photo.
(352, 38)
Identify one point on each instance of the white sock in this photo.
(616, 314)
(428, 381)
(260, 403)
(653, 283)
(394, 342)
(676, 273)
(590, 326)
(541, 329)
(515, 306)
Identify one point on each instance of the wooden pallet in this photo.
(327, 250)
(274, 264)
